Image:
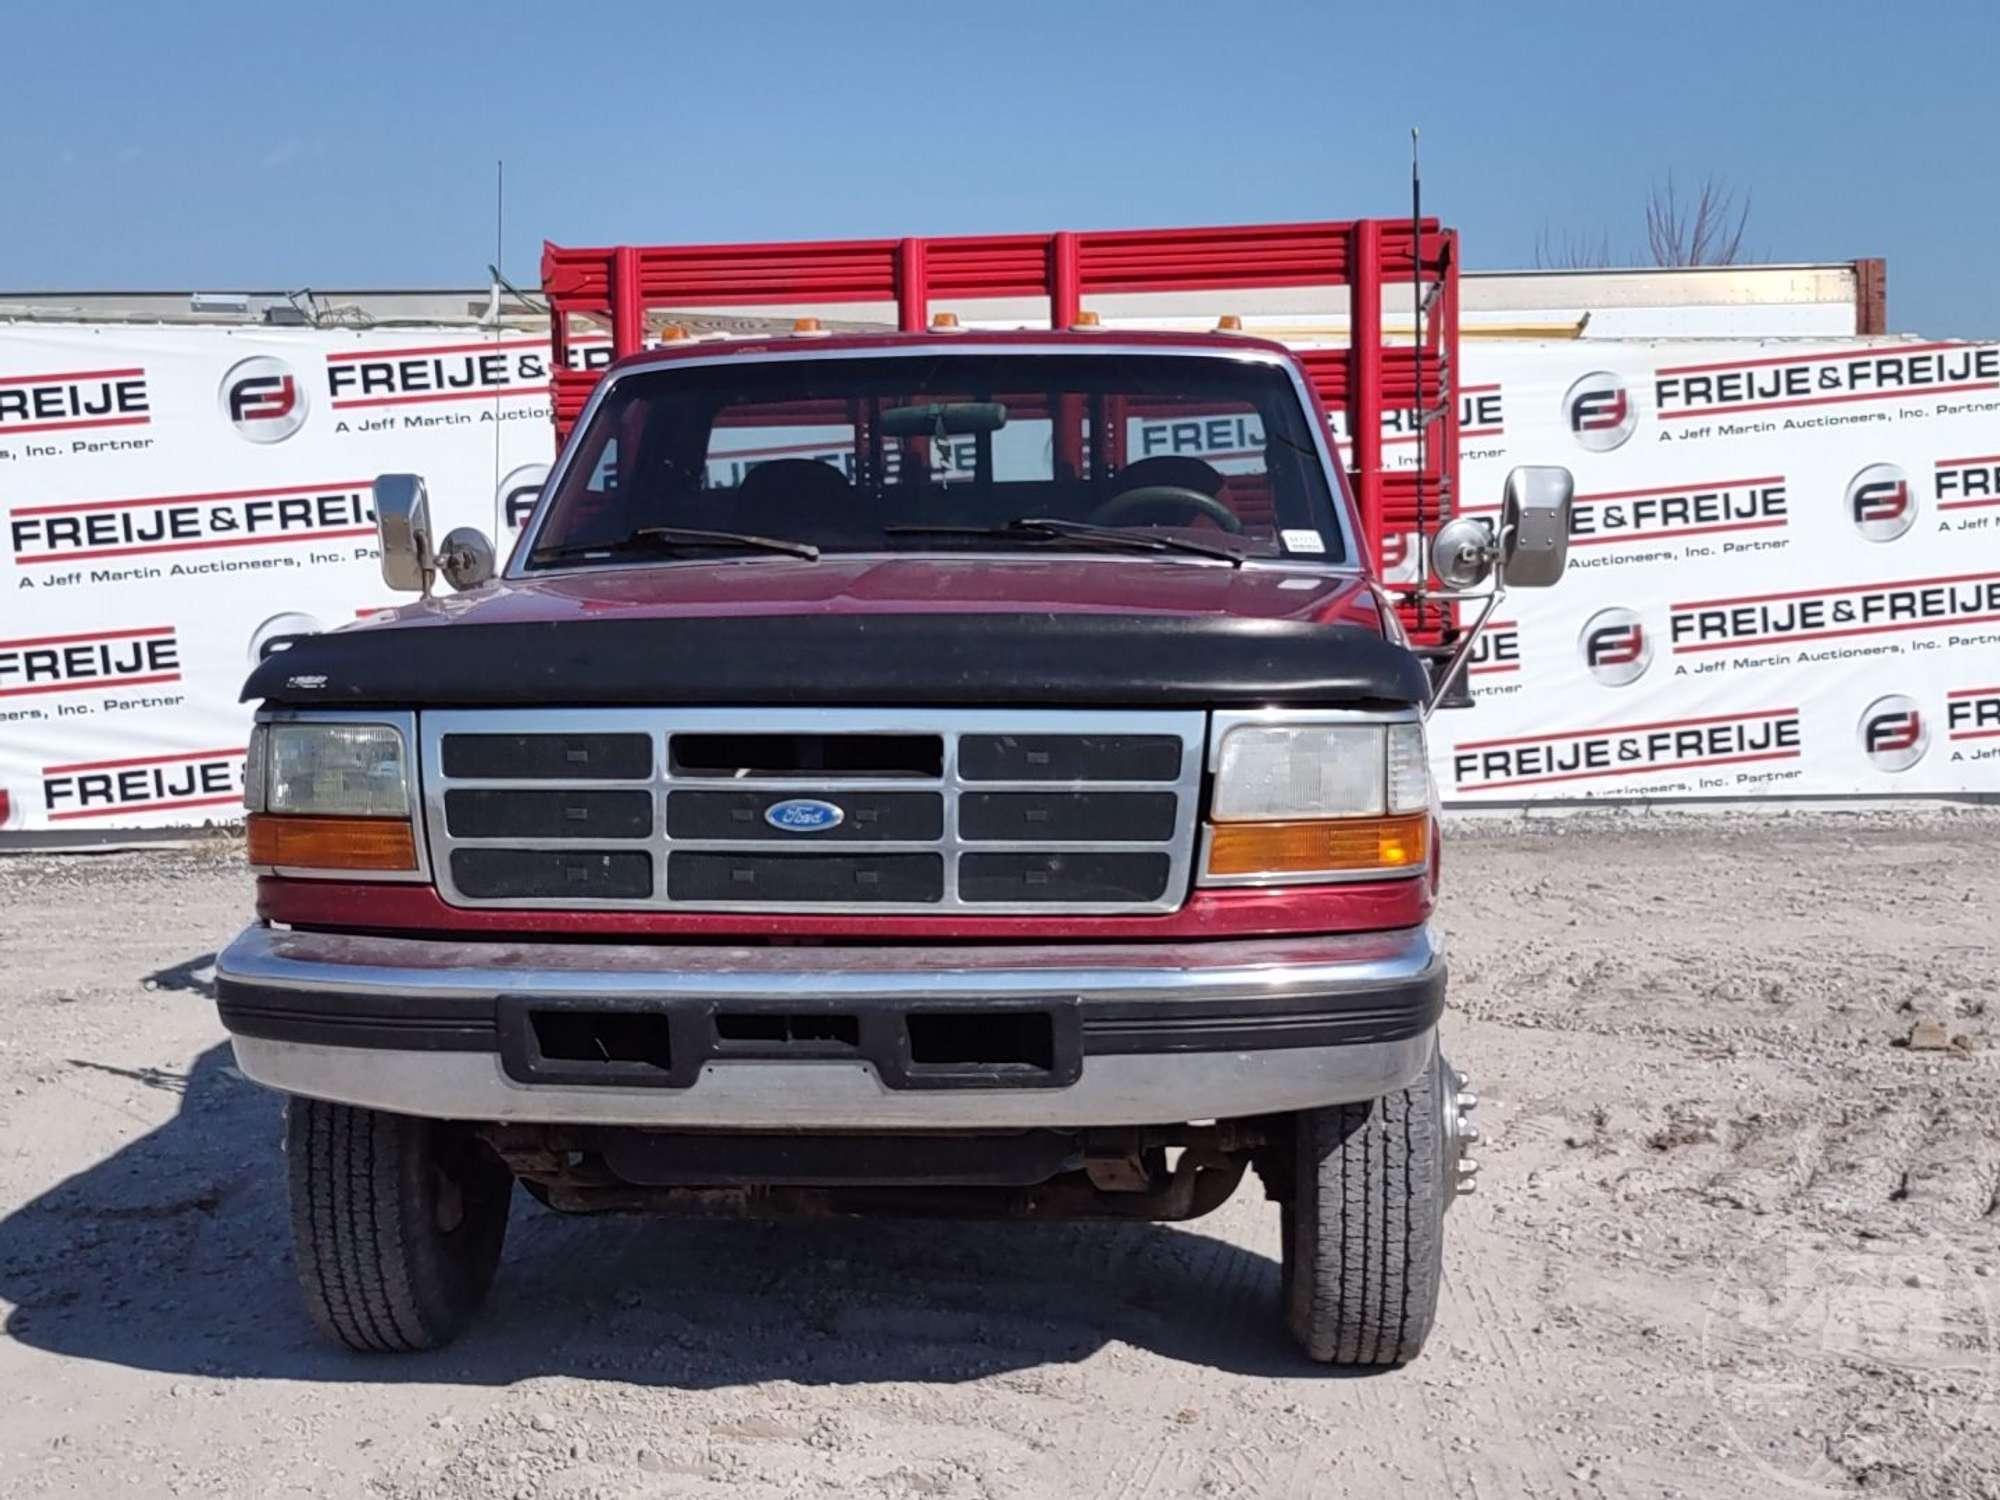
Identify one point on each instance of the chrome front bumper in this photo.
(1165, 1032)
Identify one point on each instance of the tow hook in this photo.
(1461, 1135)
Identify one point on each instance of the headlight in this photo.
(336, 770)
(330, 798)
(1308, 801)
(1270, 771)
(1299, 771)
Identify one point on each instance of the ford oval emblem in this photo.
(803, 815)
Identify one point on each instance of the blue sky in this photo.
(212, 146)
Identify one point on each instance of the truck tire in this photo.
(1364, 1225)
(397, 1223)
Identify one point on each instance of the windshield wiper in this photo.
(1054, 529)
(669, 538)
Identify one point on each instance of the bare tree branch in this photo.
(1708, 232)
(1570, 251)
(1705, 232)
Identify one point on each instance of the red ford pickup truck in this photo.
(916, 771)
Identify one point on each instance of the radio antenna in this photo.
(1419, 416)
(499, 328)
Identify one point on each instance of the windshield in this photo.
(946, 452)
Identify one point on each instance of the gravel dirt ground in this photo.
(1737, 1235)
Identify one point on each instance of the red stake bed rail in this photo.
(627, 286)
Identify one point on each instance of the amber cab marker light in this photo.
(332, 843)
(1329, 846)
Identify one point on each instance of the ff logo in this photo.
(1880, 504)
(263, 399)
(1599, 412)
(1894, 735)
(1615, 646)
(1402, 557)
(517, 495)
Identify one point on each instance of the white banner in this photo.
(1785, 577)
(1784, 574)
(173, 497)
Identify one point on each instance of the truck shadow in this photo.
(173, 1254)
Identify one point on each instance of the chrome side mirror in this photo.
(1464, 551)
(403, 529)
(1534, 526)
(466, 558)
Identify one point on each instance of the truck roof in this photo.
(1085, 341)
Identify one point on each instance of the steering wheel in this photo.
(1121, 509)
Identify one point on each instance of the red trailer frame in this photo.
(1361, 384)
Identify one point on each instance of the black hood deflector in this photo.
(1101, 660)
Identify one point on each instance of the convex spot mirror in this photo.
(466, 558)
(410, 557)
(1534, 526)
(1463, 552)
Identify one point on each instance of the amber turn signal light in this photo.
(1321, 846)
(332, 843)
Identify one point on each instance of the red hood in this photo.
(849, 585)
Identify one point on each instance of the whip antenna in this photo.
(499, 329)
(1419, 417)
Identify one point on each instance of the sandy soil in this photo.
(1735, 1237)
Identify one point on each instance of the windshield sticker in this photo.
(1303, 541)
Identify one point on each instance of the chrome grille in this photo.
(974, 810)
